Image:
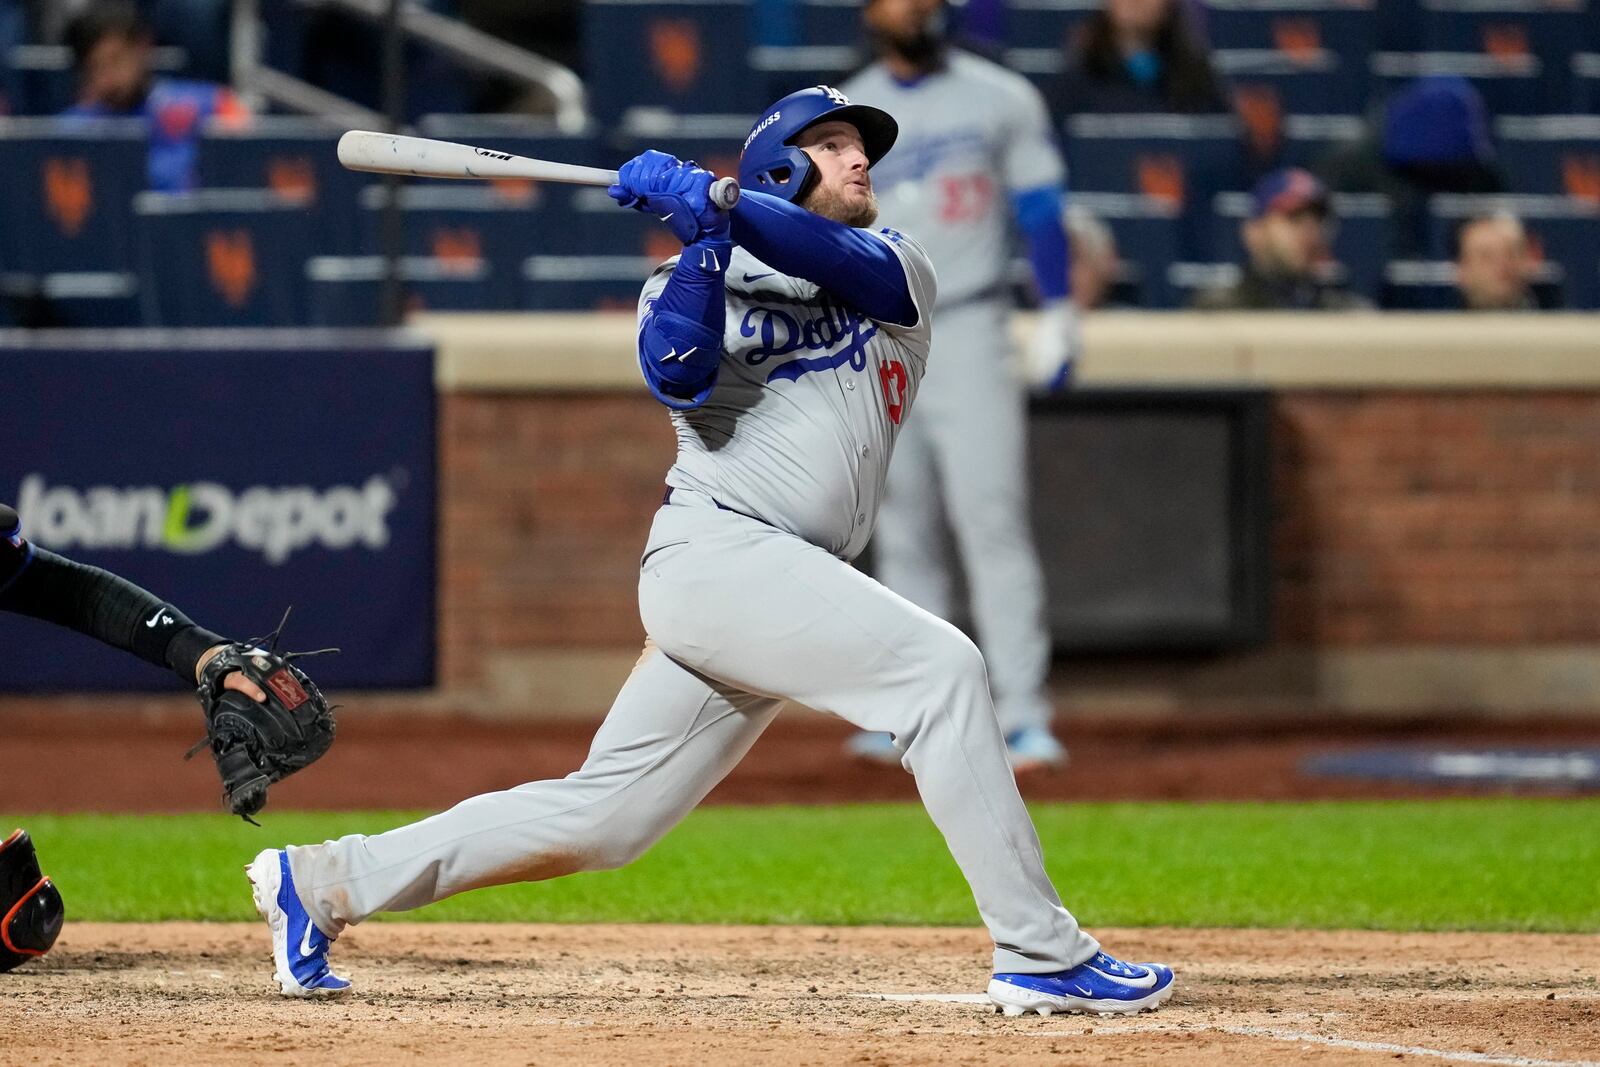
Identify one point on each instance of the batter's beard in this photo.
(830, 204)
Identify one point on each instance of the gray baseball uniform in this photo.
(970, 135)
(748, 601)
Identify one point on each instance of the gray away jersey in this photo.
(970, 134)
(809, 397)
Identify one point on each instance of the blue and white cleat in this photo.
(299, 949)
(1100, 986)
(1034, 748)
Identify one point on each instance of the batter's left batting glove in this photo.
(1052, 353)
(677, 192)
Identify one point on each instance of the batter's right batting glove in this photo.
(677, 192)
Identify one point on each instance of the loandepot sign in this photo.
(203, 516)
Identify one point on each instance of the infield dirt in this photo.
(162, 994)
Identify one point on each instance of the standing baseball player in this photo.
(975, 152)
(788, 340)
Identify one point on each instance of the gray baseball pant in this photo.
(741, 617)
(964, 461)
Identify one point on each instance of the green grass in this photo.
(1493, 864)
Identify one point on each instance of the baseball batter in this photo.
(788, 339)
(975, 151)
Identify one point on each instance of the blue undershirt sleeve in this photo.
(1039, 217)
(851, 265)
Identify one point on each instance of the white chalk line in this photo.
(1115, 1026)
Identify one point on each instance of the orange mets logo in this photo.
(68, 193)
(1161, 177)
(231, 264)
(1299, 39)
(675, 48)
(292, 177)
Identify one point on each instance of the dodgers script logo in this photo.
(840, 332)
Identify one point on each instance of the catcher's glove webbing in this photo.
(30, 906)
(256, 744)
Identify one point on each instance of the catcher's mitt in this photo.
(256, 744)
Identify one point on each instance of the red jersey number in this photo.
(892, 374)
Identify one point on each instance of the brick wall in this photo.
(1402, 519)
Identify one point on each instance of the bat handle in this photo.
(725, 193)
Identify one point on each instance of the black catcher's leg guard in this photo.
(31, 911)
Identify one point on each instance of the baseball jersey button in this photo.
(865, 450)
(861, 519)
(850, 385)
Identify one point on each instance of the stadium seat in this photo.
(1564, 230)
(1182, 159)
(1322, 83)
(297, 159)
(1297, 31)
(831, 22)
(1586, 79)
(1147, 231)
(68, 194)
(1511, 84)
(713, 141)
(1551, 154)
(1361, 237)
(222, 257)
(670, 56)
(1045, 24)
(349, 290)
(76, 300)
(1512, 32)
(584, 282)
(1430, 285)
(463, 222)
(789, 69)
(1308, 138)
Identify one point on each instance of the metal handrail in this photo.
(474, 48)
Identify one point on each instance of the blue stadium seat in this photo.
(1321, 83)
(69, 188)
(686, 56)
(831, 22)
(297, 159)
(786, 70)
(1147, 232)
(1586, 78)
(1361, 237)
(348, 290)
(1565, 231)
(1511, 84)
(1512, 32)
(222, 257)
(77, 300)
(713, 141)
(1182, 159)
(1430, 285)
(461, 222)
(1296, 30)
(584, 282)
(1551, 154)
(1308, 138)
(1046, 24)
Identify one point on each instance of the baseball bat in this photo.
(423, 157)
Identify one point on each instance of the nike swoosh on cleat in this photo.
(1144, 981)
(305, 941)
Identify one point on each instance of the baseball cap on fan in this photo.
(770, 163)
(1285, 191)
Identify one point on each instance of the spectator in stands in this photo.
(111, 49)
(1494, 265)
(1094, 258)
(1286, 239)
(1139, 56)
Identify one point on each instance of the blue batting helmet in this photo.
(770, 163)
